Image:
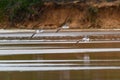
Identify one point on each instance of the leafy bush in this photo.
(17, 10)
(92, 17)
(92, 13)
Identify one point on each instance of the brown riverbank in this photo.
(77, 15)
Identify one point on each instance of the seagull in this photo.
(65, 26)
(37, 31)
(86, 39)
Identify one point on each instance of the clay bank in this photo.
(105, 15)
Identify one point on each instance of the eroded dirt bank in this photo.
(76, 15)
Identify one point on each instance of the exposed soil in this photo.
(76, 15)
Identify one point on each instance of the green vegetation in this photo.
(92, 17)
(92, 13)
(17, 10)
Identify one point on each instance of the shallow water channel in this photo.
(61, 66)
(60, 59)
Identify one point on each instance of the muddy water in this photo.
(104, 59)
